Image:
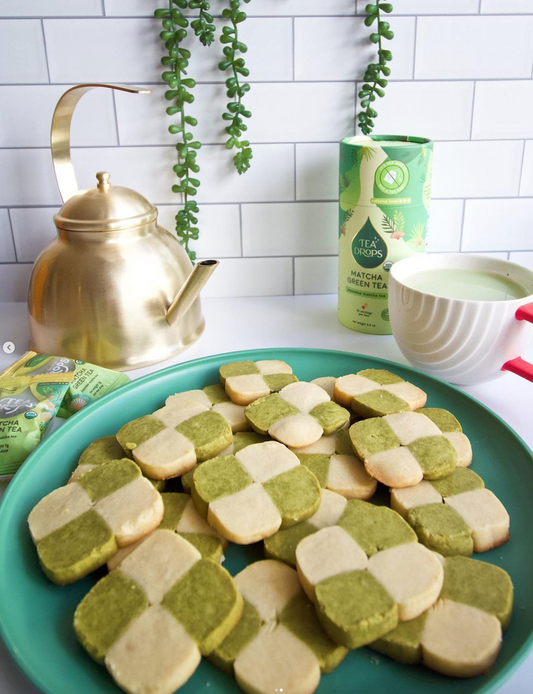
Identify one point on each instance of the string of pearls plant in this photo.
(177, 23)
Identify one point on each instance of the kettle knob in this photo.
(103, 184)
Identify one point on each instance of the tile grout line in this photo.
(295, 179)
(414, 46)
(293, 50)
(317, 255)
(45, 52)
(240, 230)
(115, 115)
(12, 235)
(254, 143)
(472, 114)
(462, 227)
(293, 276)
(289, 81)
(103, 8)
(519, 197)
(436, 15)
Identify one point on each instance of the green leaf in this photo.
(191, 121)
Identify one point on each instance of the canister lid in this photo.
(387, 141)
(105, 208)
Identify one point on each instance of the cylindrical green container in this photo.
(385, 189)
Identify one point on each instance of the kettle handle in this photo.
(60, 133)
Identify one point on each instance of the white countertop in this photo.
(289, 321)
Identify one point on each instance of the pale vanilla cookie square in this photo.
(401, 449)
(182, 517)
(461, 634)
(367, 573)
(246, 381)
(174, 438)
(333, 461)
(78, 527)
(278, 645)
(250, 495)
(104, 450)
(150, 620)
(298, 416)
(377, 392)
(454, 515)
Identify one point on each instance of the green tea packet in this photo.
(30, 395)
(89, 383)
(35, 389)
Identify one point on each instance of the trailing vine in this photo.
(376, 73)
(203, 26)
(175, 26)
(236, 110)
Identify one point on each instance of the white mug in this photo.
(463, 341)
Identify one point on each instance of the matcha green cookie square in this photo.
(377, 392)
(246, 381)
(149, 620)
(354, 608)
(440, 528)
(214, 398)
(78, 527)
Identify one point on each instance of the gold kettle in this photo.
(113, 288)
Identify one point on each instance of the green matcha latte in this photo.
(385, 188)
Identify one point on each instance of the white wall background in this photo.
(461, 74)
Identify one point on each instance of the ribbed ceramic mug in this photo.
(463, 341)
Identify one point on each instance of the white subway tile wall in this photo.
(461, 74)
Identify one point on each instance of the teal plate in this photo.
(36, 615)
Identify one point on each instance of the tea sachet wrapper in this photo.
(35, 389)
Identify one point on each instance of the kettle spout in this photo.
(189, 292)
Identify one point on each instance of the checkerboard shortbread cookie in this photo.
(455, 515)
(250, 495)
(104, 450)
(246, 381)
(367, 573)
(332, 460)
(461, 634)
(150, 620)
(401, 449)
(182, 517)
(377, 392)
(78, 527)
(240, 441)
(298, 415)
(278, 645)
(174, 438)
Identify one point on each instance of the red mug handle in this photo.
(519, 366)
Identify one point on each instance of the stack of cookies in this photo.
(262, 457)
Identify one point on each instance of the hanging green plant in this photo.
(236, 89)
(175, 31)
(375, 77)
(175, 26)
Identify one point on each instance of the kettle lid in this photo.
(105, 208)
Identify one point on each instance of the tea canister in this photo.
(385, 191)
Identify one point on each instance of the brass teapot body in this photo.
(113, 288)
